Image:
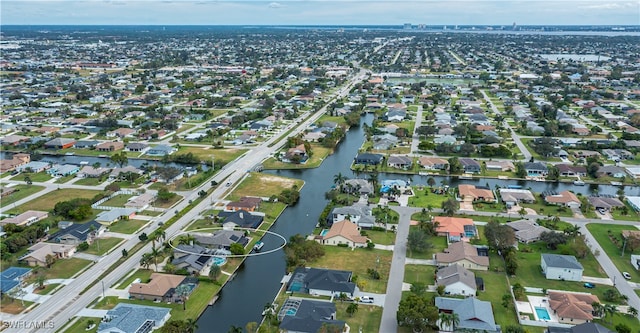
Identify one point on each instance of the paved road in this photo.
(415, 140)
(516, 138)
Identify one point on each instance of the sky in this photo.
(319, 12)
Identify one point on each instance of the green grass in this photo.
(544, 209)
(62, 180)
(220, 156)
(367, 317)
(631, 216)
(618, 318)
(358, 261)
(117, 201)
(203, 223)
(489, 207)
(319, 153)
(22, 191)
(426, 199)
(47, 201)
(381, 237)
(103, 245)
(81, 324)
(167, 204)
(483, 218)
(66, 268)
(495, 287)
(35, 177)
(263, 185)
(47, 289)
(424, 274)
(127, 226)
(601, 233)
(150, 213)
(142, 274)
(90, 181)
(438, 244)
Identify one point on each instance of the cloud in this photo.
(275, 5)
(611, 6)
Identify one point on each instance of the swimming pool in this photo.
(324, 232)
(542, 313)
(219, 261)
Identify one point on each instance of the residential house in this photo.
(512, 197)
(142, 201)
(137, 147)
(455, 228)
(221, 239)
(568, 170)
(445, 140)
(564, 198)
(89, 171)
(37, 254)
(126, 317)
(299, 315)
(34, 166)
(13, 140)
(527, 231)
(359, 214)
(343, 232)
(241, 218)
(473, 314)
(313, 136)
(384, 142)
(572, 308)
(13, 277)
(470, 165)
(248, 204)
(63, 170)
(635, 261)
(400, 162)
(611, 171)
(475, 193)
(588, 327)
(161, 150)
(433, 163)
(161, 287)
(368, 159)
(78, 233)
(297, 154)
(122, 133)
(321, 281)
(26, 219)
(499, 165)
(605, 202)
(357, 185)
(17, 160)
(59, 143)
(195, 259)
(122, 173)
(457, 280)
(536, 169)
(464, 254)
(108, 217)
(561, 267)
(110, 146)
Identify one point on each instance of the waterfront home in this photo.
(499, 165)
(400, 162)
(63, 170)
(536, 169)
(455, 228)
(564, 198)
(587, 327)
(161, 150)
(86, 144)
(572, 308)
(357, 185)
(13, 140)
(161, 287)
(470, 165)
(89, 171)
(248, 204)
(221, 239)
(343, 232)
(34, 166)
(457, 280)
(241, 218)
(568, 170)
(512, 197)
(59, 143)
(16, 161)
(527, 231)
(357, 213)
(611, 171)
(138, 147)
(321, 281)
(464, 254)
(110, 146)
(297, 154)
(605, 202)
(299, 315)
(195, 259)
(475, 193)
(561, 267)
(368, 159)
(472, 313)
(433, 163)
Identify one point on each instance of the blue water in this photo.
(291, 312)
(542, 314)
(324, 232)
(219, 261)
(295, 286)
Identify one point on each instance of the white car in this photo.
(366, 299)
(626, 275)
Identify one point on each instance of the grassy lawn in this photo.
(631, 216)
(62, 180)
(49, 200)
(90, 181)
(358, 261)
(367, 317)
(495, 287)
(117, 201)
(535, 155)
(142, 274)
(66, 268)
(150, 213)
(103, 245)
(490, 207)
(319, 153)
(438, 244)
(618, 318)
(544, 209)
(426, 199)
(203, 223)
(35, 177)
(167, 204)
(47, 289)
(220, 156)
(80, 326)
(613, 250)
(263, 185)
(483, 218)
(22, 191)
(381, 237)
(424, 274)
(127, 226)
(532, 253)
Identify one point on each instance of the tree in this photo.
(40, 280)
(521, 172)
(27, 180)
(455, 167)
(609, 310)
(49, 260)
(622, 328)
(251, 327)
(214, 272)
(120, 159)
(236, 249)
(514, 329)
(417, 312)
(125, 253)
(554, 173)
(164, 195)
(448, 321)
(352, 309)
(191, 325)
(234, 329)
(522, 212)
(418, 288)
(155, 254)
(431, 182)
(632, 311)
(146, 261)
(143, 237)
(553, 239)
(510, 261)
(418, 240)
(499, 236)
(339, 179)
(592, 169)
(450, 206)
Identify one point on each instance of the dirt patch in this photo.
(14, 307)
(285, 182)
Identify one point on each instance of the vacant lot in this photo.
(610, 238)
(22, 191)
(117, 201)
(127, 226)
(263, 185)
(49, 200)
(103, 245)
(66, 268)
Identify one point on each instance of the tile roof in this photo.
(346, 229)
(451, 225)
(159, 285)
(459, 251)
(572, 305)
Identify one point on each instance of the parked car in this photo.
(589, 285)
(626, 275)
(366, 299)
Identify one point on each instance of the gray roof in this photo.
(527, 230)
(128, 318)
(324, 279)
(561, 261)
(363, 185)
(535, 166)
(77, 230)
(221, 238)
(455, 273)
(309, 316)
(590, 328)
(474, 314)
(354, 210)
(186, 256)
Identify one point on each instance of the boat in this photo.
(514, 187)
(84, 163)
(258, 246)
(616, 183)
(578, 182)
(466, 176)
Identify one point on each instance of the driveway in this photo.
(591, 279)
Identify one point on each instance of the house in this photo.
(561, 267)
(433, 163)
(161, 150)
(26, 219)
(221, 239)
(63, 170)
(195, 259)
(122, 132)
(34, 166)
(142, 201)
(37, 254)
(536, 169)
(297, 154)
(82, 144)
(605, 202)
(465, 255)
(89, 171)
(445, 140)
(568, 170)
(512, 197)
(356, 213)
(78, 233)
(248, 204)
(124, 172)
(321, 281)
(611, 171)
(308, 316)
(572, 308)
(475, 193)
(400, 162)
(137, 147)
(110, 146)
(527, 231)
(13, 140)
(126, 317)
(59, 143)
(368, 159)
(313, 136)
(564, 198)
(161, 287)
(241, 218)
(343, 232)
(500, 165)
(13, 277)
(455, 228)
(470, 165)
(357, 185)
(110, 216)
(16, 161)
(588, 327)
(473, 314)
(635, 261)
(457, 280)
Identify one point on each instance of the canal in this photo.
(257, 282)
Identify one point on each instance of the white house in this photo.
(457, 280)
(561, 267)
(635, 261)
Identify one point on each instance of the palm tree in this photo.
(632, 311)
(446, 321)
(373, 178)
(352, 309)
(339, 179)
(155, 235)
(191, 325)
(522, 212)
(214, 272)
(154, 256)
(609, 310)
(450, 206)
(431, 181)
(145, 261)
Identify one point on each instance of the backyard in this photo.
(127, 226)
(118, 200)
(142, 274)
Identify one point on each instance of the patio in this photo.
(541, 302)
